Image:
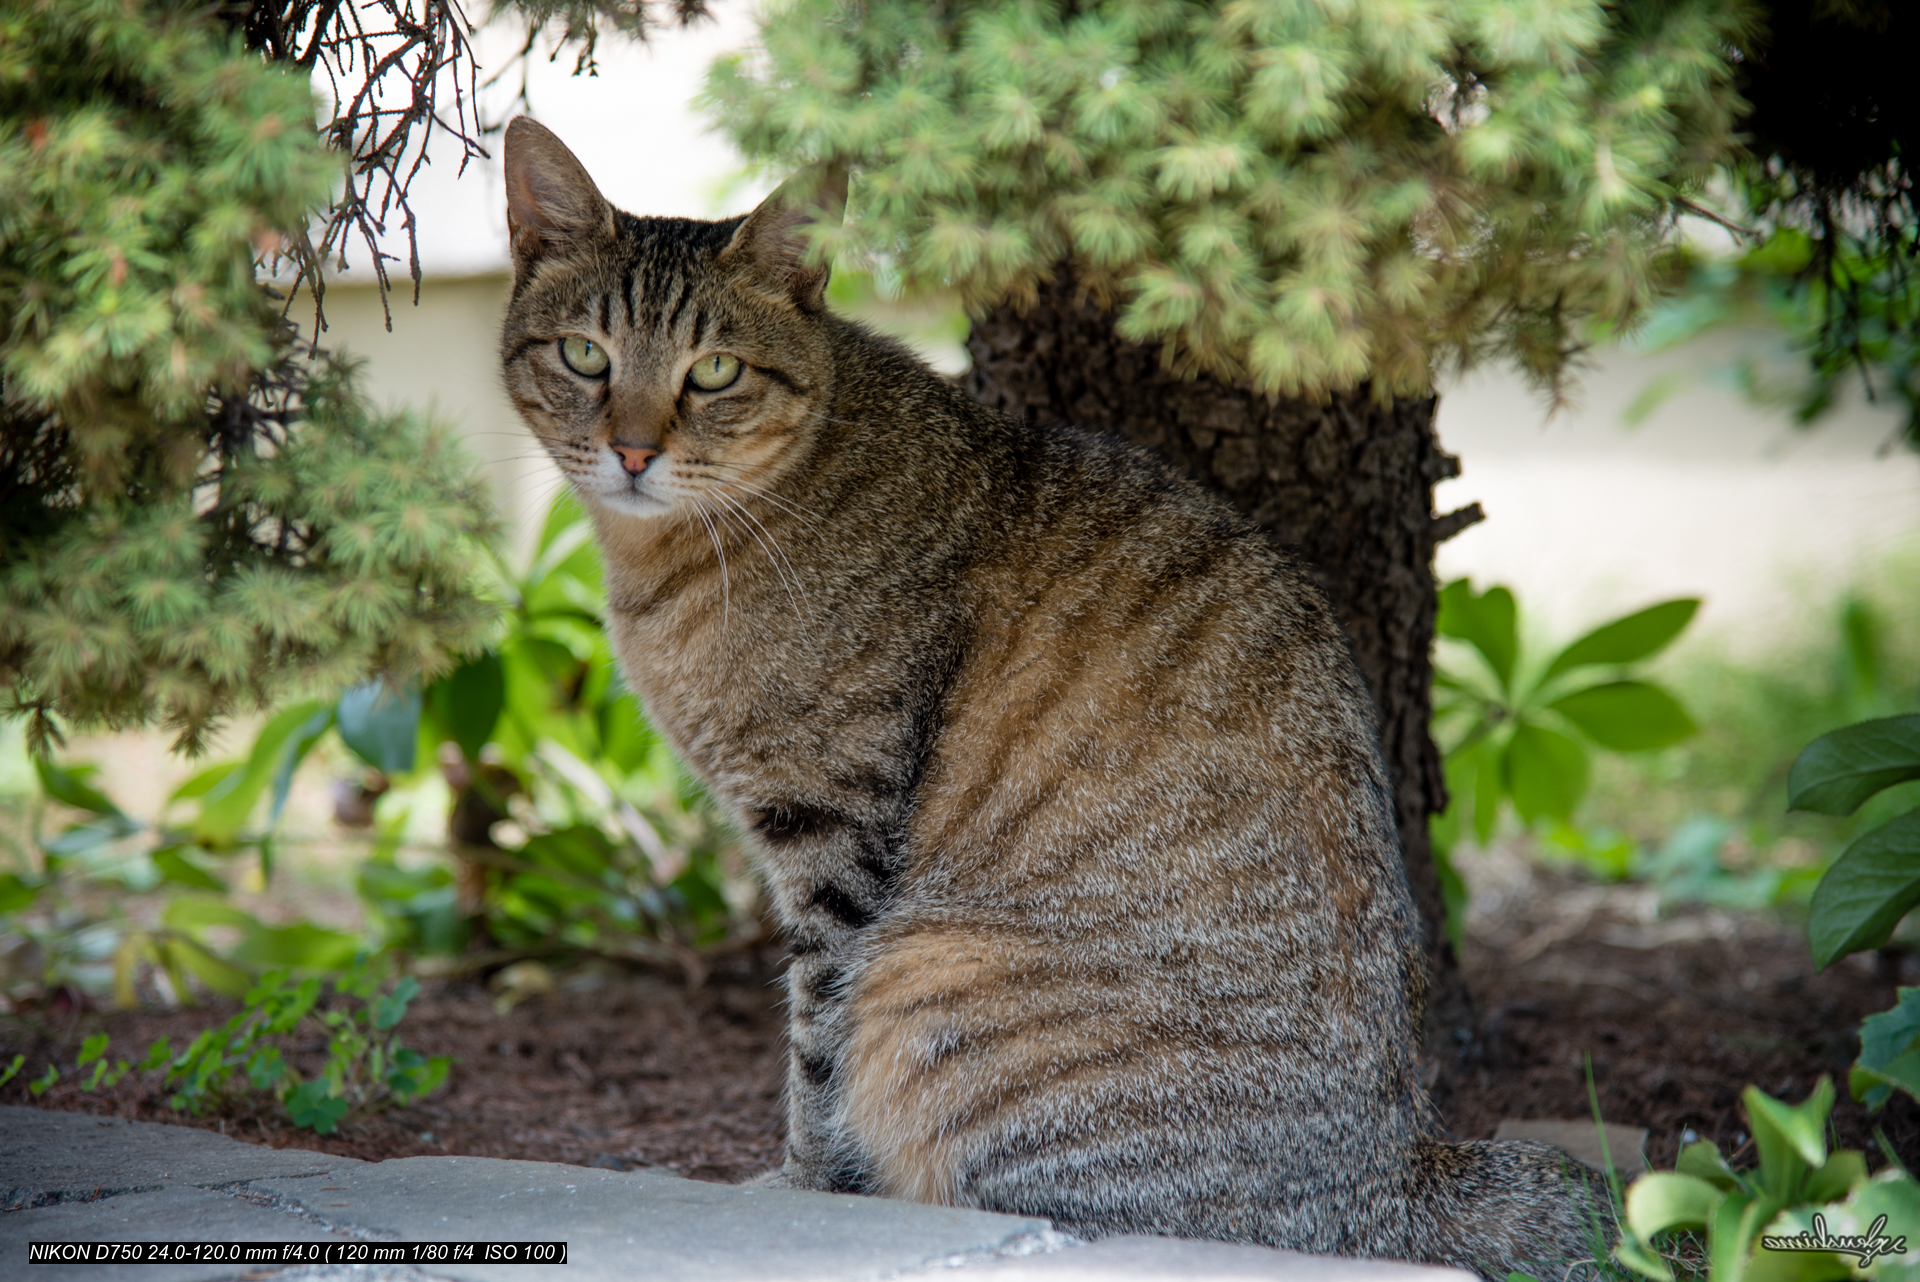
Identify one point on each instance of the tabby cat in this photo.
(1062, 778)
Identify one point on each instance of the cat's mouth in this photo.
(647, 493)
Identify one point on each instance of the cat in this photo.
(1061, 776)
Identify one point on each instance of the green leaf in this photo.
(292, 753)
(1791, 1138)
(14, 1066)
(15, 894)
(380, 724)
(191, 914)
(226, 808)
(222, 978)
(1545, 771)
(65, 787)
(468, 701)
(1846, 1169)
(44, 1083)
(311, 1105)
(1702, 1160)
(1488, 622)
(1840, 770)
(175, 867)
(1664, 1200)
(266, 1068)
(1627, 716)
(1873, 884)
(390, 1008)
(1627, 639)
(1889, 1051)
(81, 838)
(91, 1049)
(302, 944)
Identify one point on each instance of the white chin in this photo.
(632, 502)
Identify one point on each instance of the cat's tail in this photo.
(1501, 1206)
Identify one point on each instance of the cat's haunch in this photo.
(1061, 776)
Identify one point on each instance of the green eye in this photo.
(712, 373)
(584, 356)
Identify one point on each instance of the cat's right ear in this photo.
(551, 201)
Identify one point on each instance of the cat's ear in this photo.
(551, 201)
(774, 237)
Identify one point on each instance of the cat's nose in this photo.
(634, 458)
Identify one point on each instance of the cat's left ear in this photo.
(774, 237)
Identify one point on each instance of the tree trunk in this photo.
(1348, 485)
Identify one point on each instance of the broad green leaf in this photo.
(468, 702)
(175, 867)
(227, 980)
(15, 894)
(564, 514)
(1838, 771)
(390, 1008)
(1637, 1256)
(192, 914)
(81, 838)
(91, 1049)
(1545, 771)
(292, 753)
(1627, 639)
(1702, 1160)
(67, 788)
(1488, 785)
(1889, 1052)
(1875, 1086)
(1488, 622)
(1845, 1169)
(311, 1105)
(1627, 716)
(302, 944)
(1873, 884)
(226, 807)
(381, 724)
(205, 781)
(1666, 1200)
(1726, 1240)
(1791, 1138)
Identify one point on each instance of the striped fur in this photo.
(1061, 776)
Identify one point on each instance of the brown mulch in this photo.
(630, 1070)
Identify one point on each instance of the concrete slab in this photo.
(1580, 1139)
(47, 1158)
(176, 1214)
(1165, 1259)
(667, 1228)
(82, 1179)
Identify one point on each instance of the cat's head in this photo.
(659, 360)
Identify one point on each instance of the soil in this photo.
(1678, 1011)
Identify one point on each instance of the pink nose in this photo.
(633, 458)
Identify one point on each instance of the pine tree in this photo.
(198, 513)
(1252, 233)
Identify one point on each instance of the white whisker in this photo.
(726, 596)
(778, 558)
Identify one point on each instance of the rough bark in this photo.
(1348, 485)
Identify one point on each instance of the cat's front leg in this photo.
(818, 1154)
(833, 881)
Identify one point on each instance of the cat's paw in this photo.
(774, 1179)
